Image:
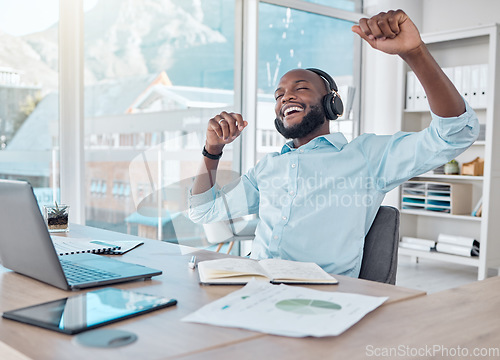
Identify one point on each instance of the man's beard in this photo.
(310, 123)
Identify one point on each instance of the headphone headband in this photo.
(331, 83)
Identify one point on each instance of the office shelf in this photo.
(451, 177)
(424, 111)
(434, 255)
(441, 215)
(473, 49)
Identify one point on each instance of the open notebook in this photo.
(233, 271)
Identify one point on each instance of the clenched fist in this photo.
(391, 32)
(223, 129)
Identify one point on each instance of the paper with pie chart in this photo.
(287, 310)
(307, 306)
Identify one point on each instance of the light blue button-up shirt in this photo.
(316, 203)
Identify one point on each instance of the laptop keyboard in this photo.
(77, 273)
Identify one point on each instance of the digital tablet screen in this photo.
(82, 312)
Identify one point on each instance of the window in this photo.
(29, 148)
(155, 73)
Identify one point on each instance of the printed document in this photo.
(287, 310)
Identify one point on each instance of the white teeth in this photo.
(293, 108)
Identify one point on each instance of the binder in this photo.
(457, 79)
(483, 86)
(450, 73)
(421, 103)
(410, 90)
(466, 86)
(474, 86)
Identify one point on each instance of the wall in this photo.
(463, 14)
(380, 80)
(382, 89)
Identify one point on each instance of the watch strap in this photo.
(211, 156)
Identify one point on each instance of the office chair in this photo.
(223, 232)
(380, 257)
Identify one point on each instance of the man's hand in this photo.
(392, 32)
(223, 129)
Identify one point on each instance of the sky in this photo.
(21, 17)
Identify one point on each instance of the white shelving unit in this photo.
(465, 47)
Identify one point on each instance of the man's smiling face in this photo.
(298, 103)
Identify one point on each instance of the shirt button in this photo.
(291, 193)
(301, 150)
(275, 237)
(284, 218)
(294, 165)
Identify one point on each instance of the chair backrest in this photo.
(380, 257)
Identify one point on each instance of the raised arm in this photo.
(393, 32)
(222, 129)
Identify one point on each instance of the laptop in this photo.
(26, 247)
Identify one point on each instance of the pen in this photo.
(192, 262)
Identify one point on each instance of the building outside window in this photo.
(29, 74)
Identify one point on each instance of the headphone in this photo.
(332, 103)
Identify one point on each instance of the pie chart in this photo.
(307, 306)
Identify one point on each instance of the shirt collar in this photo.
(336, 139)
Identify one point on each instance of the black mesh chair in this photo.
(380, 257)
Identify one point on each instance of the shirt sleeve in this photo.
(234, 200)
(397, 158)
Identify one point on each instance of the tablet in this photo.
(82, 312)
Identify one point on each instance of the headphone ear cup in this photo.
(329, 106)
(338, 106)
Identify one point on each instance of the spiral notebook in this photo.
(67, 246)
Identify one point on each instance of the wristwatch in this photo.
(211, 156)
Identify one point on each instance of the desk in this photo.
(161, 333)
(442, 325)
